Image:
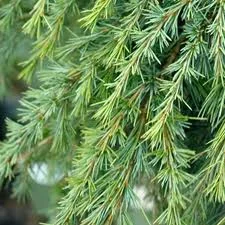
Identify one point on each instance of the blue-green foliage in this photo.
(128, 89)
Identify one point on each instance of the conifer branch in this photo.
(34, 24)
(119, 102)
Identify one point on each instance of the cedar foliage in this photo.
(130, 90)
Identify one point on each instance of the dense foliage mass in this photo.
(130, 91)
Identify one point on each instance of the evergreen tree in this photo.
(130, 91)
